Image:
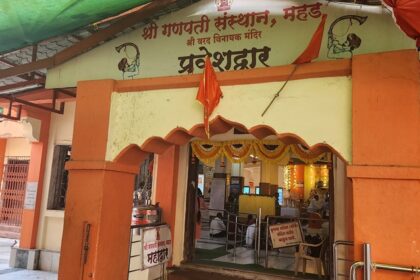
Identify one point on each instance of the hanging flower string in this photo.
(266, 150)
(207, 151)
(237, 152)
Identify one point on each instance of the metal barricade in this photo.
(337, 259)
(12, 193)
(369, 266)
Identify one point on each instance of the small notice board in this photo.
(286, 234)
(150, 246)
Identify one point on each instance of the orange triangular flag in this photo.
(209, 93)
(312, 50)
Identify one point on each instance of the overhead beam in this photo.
(52, 109)
(88, 43)
(24, 77)
(34, 57)
(9, 115)
(22, 84)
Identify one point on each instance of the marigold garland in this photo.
(266, 150)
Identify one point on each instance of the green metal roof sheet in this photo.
(25, 22)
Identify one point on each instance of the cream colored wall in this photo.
(51, 221)
(181, 195)
(287, 39)
(18, 147)
(341, 220)
(318, 110)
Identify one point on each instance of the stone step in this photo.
(7, 231)
(233, 273)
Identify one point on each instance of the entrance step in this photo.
(213, 272)
(12, 232)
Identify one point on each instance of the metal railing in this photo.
(12, 191)
(337, 259)
(235, 230)
(369, 266)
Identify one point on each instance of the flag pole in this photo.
(280, 90)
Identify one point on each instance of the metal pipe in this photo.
(236, 231)
(242, 234)
(390, 267)
(266, 242)
(227, 231)
(259, 236)
(354, 268)
(367, 262)
(396, 268)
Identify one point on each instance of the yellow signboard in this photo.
(250, 204)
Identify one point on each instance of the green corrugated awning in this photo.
(25, 22)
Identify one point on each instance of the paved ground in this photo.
(7, 273)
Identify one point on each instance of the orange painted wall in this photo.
(166, 184)
(386, 158)
(99, 193)
(386, 114)
(30, 218)
(3, 143)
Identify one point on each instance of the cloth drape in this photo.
(407, 16)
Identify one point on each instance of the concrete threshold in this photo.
(235, 273)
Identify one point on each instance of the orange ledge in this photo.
(101, 165)
(320, 69)
(384, 172)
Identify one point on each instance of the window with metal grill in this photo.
(59, 178)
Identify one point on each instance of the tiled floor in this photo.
(282, 259)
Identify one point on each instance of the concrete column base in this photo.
(24, 258)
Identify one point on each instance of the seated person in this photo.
(250, 233)
(217, 227)
(315, 204)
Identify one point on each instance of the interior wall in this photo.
(51, 221)
(18, 147)
(252, 174)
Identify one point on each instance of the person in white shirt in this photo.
(250, 234)
(217, 227)
(315, 204)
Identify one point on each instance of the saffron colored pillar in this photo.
(3, 143)
(166, 185)
(96, 235)
(386, 158)
(35, 183)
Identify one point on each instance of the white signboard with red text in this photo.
(237, 35)
(157, 246)
(285, 234)
(150, 246)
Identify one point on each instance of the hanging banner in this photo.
(285, 235)
(236, 35)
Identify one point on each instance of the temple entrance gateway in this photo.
(250, 193)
